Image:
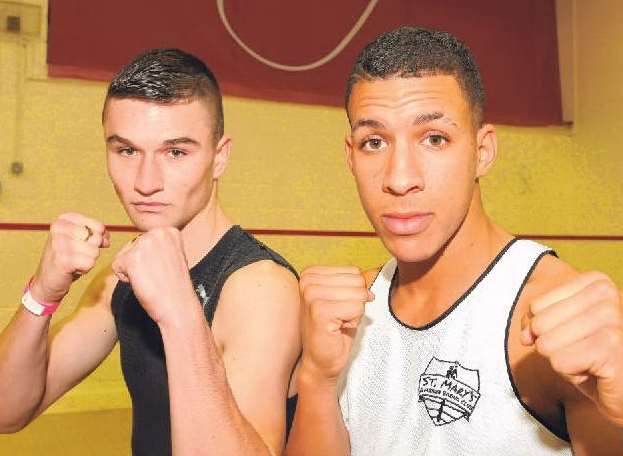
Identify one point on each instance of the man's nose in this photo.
(403, 171)
(149, 176)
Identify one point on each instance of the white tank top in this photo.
(444, 389)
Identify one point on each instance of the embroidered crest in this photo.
(449, 391)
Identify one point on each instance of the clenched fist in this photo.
(334, 299)
(578, 327)
(155, 266)
(72, 249)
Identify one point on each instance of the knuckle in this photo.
(605, 289)
(532, 306)
(310, 293)
(609, 314)
(58, 227)
(543, 347)
(99, 226)
(536, 325)
(596, 276)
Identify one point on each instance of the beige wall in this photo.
(287, 171)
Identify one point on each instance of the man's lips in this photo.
(406, 223)
(149, 206)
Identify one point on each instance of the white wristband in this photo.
(34, 306)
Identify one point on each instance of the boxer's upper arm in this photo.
(80, 342)
(257, 327)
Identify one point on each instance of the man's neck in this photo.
(425, 290)
(202, 233)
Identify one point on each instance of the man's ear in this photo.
(487, 145)
(348, 149)
(221, 157)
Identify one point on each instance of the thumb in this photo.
(526, 335)
(119, 265)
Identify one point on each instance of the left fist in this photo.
(155, 266)
(578, 327)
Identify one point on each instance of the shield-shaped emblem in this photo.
(449, 391)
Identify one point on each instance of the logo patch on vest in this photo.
(449, 391)
(202, 294)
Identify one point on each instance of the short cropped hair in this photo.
(415, 52)
(168, 76)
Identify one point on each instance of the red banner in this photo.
(302, 52)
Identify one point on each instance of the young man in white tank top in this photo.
(467, 342)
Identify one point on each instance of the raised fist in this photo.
(578, 327)
(334, 299)
(72, 249)
(155, 266)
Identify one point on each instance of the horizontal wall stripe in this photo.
(322, 233)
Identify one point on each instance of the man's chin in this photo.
(411, 249)
(144, 224)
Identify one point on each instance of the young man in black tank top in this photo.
(417, 149)
(204, 379)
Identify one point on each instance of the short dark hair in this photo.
(415, 52)
(169, 76)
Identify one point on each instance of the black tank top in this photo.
(142, 350)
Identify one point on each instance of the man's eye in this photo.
(176, 153)
(436, 140)
(373, 144)
(127, 151)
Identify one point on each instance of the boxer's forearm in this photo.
(318, 427)
(23, 368)
(204, 416)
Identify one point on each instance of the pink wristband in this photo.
(34, 306)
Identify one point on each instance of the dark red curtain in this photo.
(514, 43)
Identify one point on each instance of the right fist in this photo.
(71, 250)
(333, 299)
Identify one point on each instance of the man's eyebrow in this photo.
(120, 139)
(367, 123)
(166, 142)
(181, 140)
(431, 116)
